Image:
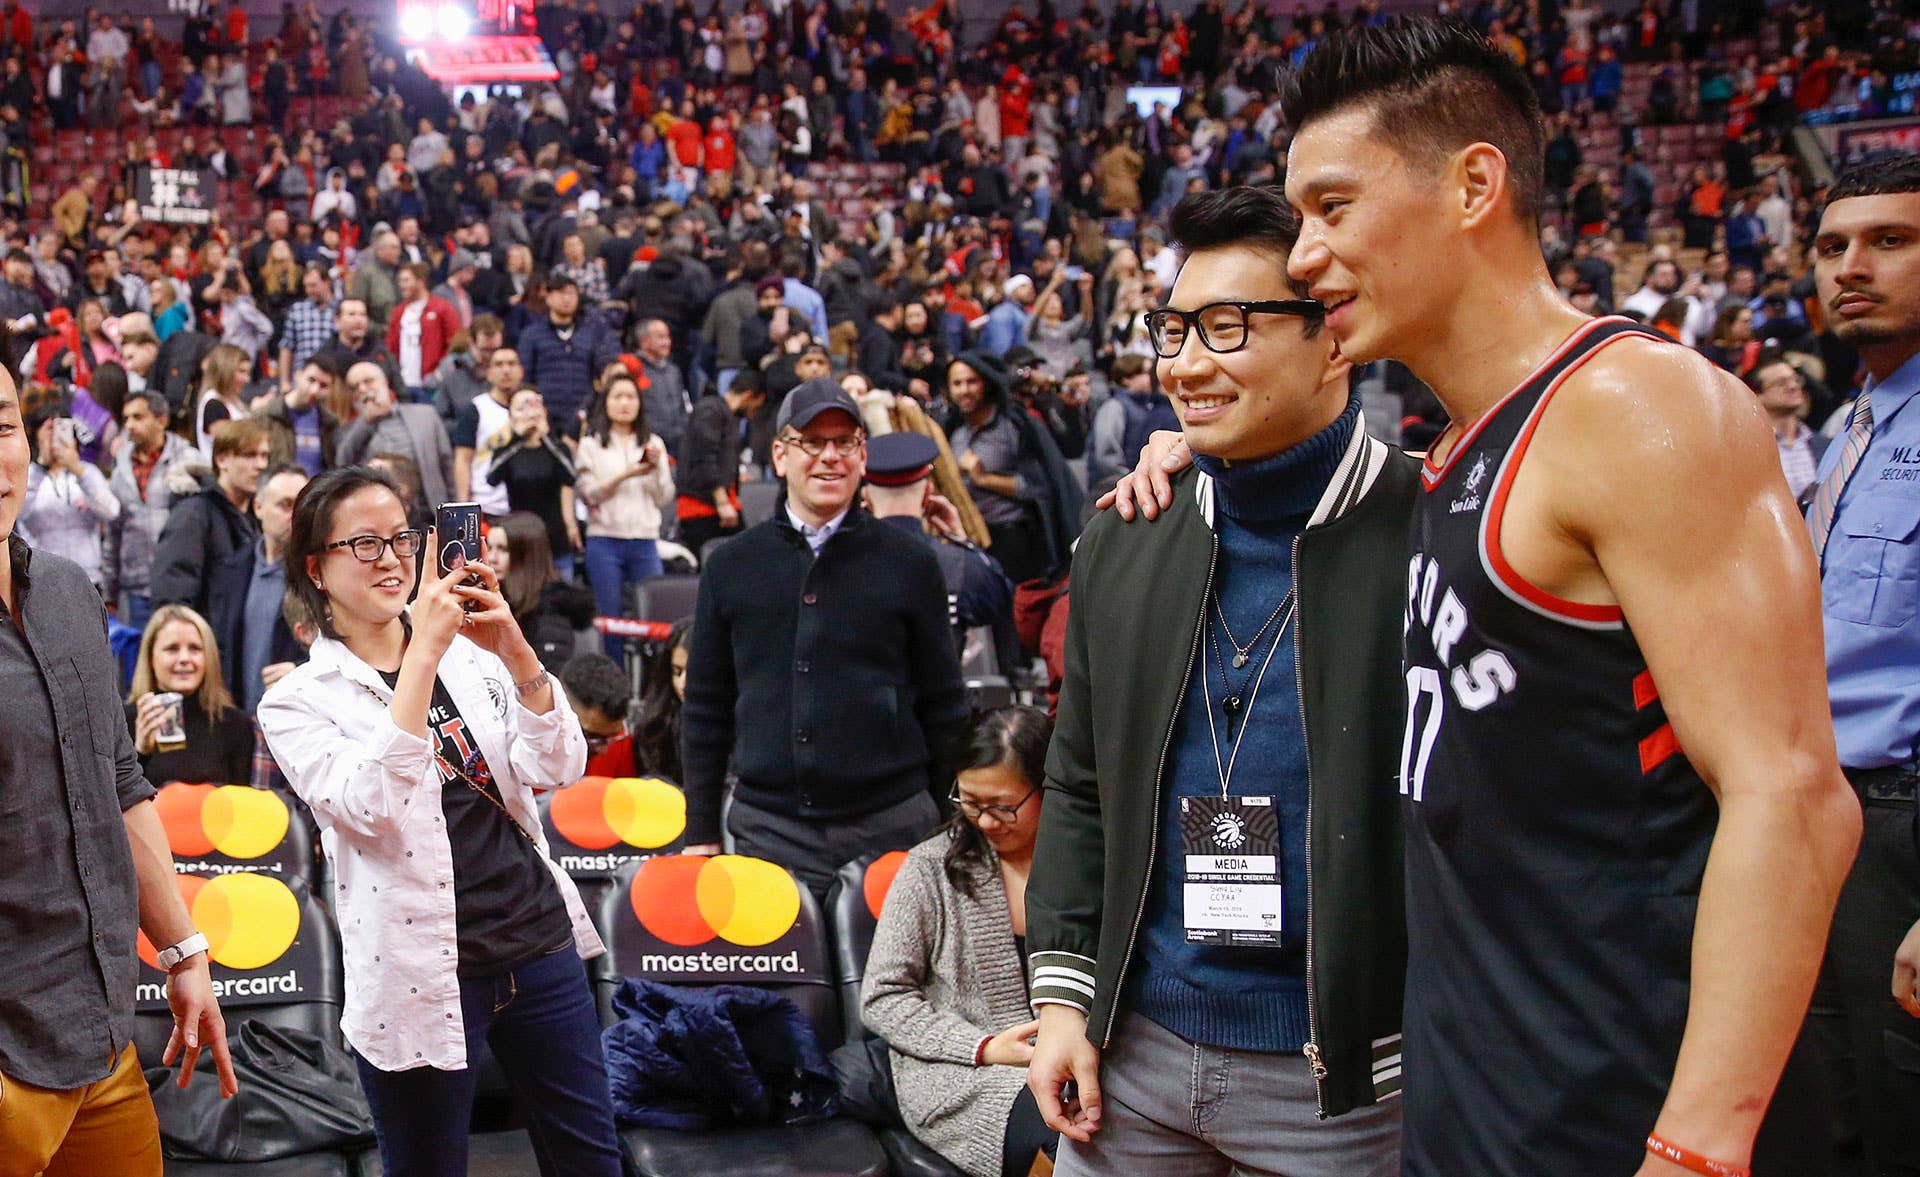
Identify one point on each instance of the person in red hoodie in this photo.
(719, 150)
(1016, 119)
(420, 330)
(686, 139)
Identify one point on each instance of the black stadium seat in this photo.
(666, 598)
(853, 910)
(598, 827)
(759, 499)
(222, 829)
(275, 959)
(770, 928)
(853, 907)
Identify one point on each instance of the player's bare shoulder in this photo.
(1641, 391)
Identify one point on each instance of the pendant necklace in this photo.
(1241, 653)
(1233, 699)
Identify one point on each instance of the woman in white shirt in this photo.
(621, 473)
(457, 926)
(68, 501)
(223, 373)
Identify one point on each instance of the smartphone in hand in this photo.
(456, 530)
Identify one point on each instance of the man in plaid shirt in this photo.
(308, 326)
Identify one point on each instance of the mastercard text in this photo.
(196, 867)
(287, 983)
(718, 962)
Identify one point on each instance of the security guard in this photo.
(900, 491)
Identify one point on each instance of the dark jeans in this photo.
(814, 849)
(612, 565)
(1027, 1136)
(541, 1023)
(1874, 1046)
(698, 532)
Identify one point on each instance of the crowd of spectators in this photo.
(583, 305)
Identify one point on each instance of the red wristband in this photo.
(1693, 1161)
(980, 1052)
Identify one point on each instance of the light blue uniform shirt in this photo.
(1870, 585)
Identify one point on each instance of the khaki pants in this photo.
(103, 1128)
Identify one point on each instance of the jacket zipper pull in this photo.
(1315, 1061)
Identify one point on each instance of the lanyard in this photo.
(1225, 772)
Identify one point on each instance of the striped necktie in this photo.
(1827, 499)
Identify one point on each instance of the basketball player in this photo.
(1626, 823)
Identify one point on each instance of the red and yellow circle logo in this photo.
(599, 812)
(233, 820)
(687, 901)
(249, 919)
(879, 879)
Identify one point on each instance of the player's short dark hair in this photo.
(1891, 175)
(597, 681)
(1433, 85)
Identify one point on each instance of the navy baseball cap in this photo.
(812, 398)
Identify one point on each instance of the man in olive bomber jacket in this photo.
(1218, 892)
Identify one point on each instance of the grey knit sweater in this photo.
(943, 974)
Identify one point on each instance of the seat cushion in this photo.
(319, 1164)
(836, 1148)
(910, 1158)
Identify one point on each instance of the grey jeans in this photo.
(1175, 1109)
(815, 849)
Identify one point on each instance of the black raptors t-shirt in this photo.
(506, 906)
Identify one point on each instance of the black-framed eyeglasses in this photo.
(1004, 814)
(813, 447)
(367, 548)
(1221, 326)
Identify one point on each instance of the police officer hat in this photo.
(900, 459)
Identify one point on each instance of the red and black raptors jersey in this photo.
(1556, 838)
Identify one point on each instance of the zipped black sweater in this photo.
(1139, 590)
(831, 683)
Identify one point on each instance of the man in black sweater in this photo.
(822, 666)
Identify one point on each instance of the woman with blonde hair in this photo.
(280, 280)
(178, 656)
(223, 373)
(168, 313)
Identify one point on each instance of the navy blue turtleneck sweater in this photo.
(1242, 998)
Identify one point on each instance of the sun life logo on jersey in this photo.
(1469, 499)
(1229, 831)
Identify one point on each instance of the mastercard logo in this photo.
(879, 879)
(687, 901)
(599, 812)
(249, 919)
(233, 820)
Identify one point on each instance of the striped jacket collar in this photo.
(1359, 468)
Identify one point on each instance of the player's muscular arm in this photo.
(1662, 469)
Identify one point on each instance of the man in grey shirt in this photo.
(385, 426)
(83, 859)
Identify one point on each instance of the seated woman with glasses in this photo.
(458, 927)
(946, 981)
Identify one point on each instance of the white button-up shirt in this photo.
(375, 793)
(817, 537)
